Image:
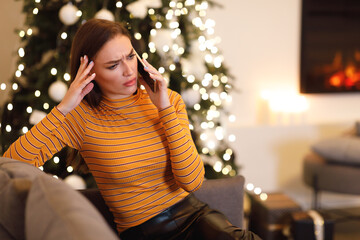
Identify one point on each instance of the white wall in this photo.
(261, 46)
(260, 42)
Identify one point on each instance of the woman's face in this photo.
(116, 68)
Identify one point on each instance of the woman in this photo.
(135, 142)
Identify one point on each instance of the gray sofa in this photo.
(35, 205)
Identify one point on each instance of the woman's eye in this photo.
(112, 66)
(132, 56)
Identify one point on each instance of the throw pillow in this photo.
(56, 211)
(345, 150)
(13, 194)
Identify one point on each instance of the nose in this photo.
(127, 70)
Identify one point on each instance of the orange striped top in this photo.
(143, 159)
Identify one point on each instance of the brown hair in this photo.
(88, 40)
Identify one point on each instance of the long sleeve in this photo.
(187, 167)
(47, 137)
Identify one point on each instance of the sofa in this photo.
(333, 165)
(35, 205)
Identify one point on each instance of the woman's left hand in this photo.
(160, 97)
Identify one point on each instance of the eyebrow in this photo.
(118, 60)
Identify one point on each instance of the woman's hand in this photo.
(160, 98)
(81, 86)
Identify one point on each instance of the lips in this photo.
(130, 83)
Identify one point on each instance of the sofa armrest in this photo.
(225, 195)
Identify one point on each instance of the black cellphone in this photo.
(145, 75)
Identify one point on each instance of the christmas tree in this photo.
(176, 37)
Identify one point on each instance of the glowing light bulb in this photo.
(250, 186)
(53, 71)
(232, 138)
(137, 36)
(35, 11)
(21, 67)
(37, 93)
(172, 67)
(15, 86)
(257, 190)
(151, 11)
(29, 109)
(21, 52)
(197, 107)
(18, 73)
(67, 77)
(8, 128)
(263, 196)
(64, 35)
(25, 129)
(78, 13)
(119, 4)
(3, 86)
(69, 169)
(158, 25)
(56, 160)
(10, 107)
(218, 166)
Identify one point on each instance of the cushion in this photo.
(18, 169)
(343, 149)
(55, 211)
(13, 194)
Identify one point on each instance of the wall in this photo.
(260, 43)
(261, 46)
(10, 19)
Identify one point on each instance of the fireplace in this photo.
(330, 46)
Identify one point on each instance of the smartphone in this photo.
(144, 74)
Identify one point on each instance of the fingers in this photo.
(154, 74)
(84, 69)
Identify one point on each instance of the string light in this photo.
(64, 35)
(3, 86)
(37, 93)
(53, 71)
(15, 86)
(25, 130)
(10, 107)
(119, 4)
(18, 73)
(8, 128)
(35, 11)
(137, 36)
(22, 33)
(67, 77)
(46, 106)
(21, 52)
(78, 13)
(29, 109)
(56, 160)
(29, 32)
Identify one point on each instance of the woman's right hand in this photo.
(80, 86)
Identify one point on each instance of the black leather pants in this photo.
(188, 219)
